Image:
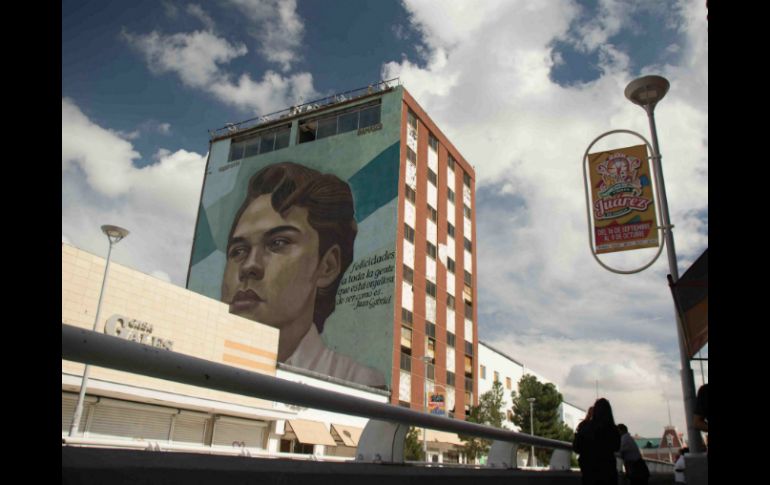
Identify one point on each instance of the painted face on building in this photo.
(273, 268)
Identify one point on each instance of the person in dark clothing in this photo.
(580, 425)
(636, 469)
(596, 442)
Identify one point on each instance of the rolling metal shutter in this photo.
(233, 430)
(189, 428)
(126, 421)
(68, 403)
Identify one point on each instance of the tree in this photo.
(489, 412)
(547, 423)
(413, 446)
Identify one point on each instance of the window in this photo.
(258, 143)
(406, 316)
(432, 213)
(430, 329)
(431, 372)
(483, 372)
(408, 274)
(451, 195)
(451, 162)
(468, 244)
(430, 289)
(468, 366)
(411, 195)
(411, 119)
(369, 116)
(431, 251)
(351, 119)
(450, 229)
(450, 378)
(411, 156)
(468, 278)
(467, 211)
(508, 383)
(497, 376)
(406, 340)
(433, 142)
(450, 265)
(408, 233)
(432, 177)
(467, 180)
(468, 310)
(469, 348)
(450, 339)
(469, 383)
(430, 349)
(450, 301)
(406, 362)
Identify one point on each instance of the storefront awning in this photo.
(349, 434)
(311, 432)
(691, 295)
(443, 437)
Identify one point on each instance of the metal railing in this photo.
(383, 436)
(233, 128)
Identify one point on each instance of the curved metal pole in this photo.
(82, 345)
(588, 204)
(688, 381)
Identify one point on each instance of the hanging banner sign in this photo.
(436, 404)
(623, 201)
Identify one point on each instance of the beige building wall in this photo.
(194, 325)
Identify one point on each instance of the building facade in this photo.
(496, 366)
(405, 306)
(128, 410)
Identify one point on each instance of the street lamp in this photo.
(646, 92)
(114, 234)
(532, 427)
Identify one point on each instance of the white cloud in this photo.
(101, 185)
(198, 59)
(631, 375)
(486, 83)
(195, 57)
(197, 11)
(277, 26)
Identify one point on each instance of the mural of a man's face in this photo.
(273, 268)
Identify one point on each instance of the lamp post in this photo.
(646, 92)
(114, 235)
(532, 427)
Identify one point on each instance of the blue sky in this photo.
(520, 87)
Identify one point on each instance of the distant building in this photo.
(664, 448)
(495, 365)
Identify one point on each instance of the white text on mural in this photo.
(365, 285)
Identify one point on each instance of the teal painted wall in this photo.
(362, 323)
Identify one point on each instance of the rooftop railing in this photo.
(233, 128)
(382, 440)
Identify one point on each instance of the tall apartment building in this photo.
(403, 304)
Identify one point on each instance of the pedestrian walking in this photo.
(596, 442)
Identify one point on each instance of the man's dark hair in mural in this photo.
(329, 203)
(288, 248)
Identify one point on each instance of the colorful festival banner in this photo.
(623, 201)
(436, 404)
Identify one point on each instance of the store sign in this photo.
(436, 405)
(135, 331)
(623, 201)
